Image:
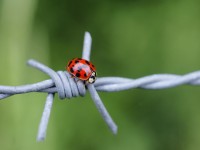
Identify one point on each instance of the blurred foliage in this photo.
(130, 39)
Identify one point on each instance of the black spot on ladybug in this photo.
(79, 70)
(69, 63)
(71, 70)
(76, 61)
(78, 74)
(87, 62)
(85, 75)
(93, 66)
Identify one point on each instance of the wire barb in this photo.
(45, 118)
(101, 108)
(67, 87)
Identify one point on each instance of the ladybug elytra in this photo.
(82, 69)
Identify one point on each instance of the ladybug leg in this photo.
(76, 79)
(72, 76)
(79, 80)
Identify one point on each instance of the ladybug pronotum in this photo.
(82, 69)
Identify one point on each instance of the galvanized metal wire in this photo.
(67, 87)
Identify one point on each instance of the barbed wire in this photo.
(67, 87)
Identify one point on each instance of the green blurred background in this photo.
(130, 39)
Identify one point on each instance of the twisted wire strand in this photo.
(67, 87)
(105, 84)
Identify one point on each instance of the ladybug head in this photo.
(92, 78)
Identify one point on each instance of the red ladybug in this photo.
(82, 69)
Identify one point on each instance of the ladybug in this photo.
(82, 69)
